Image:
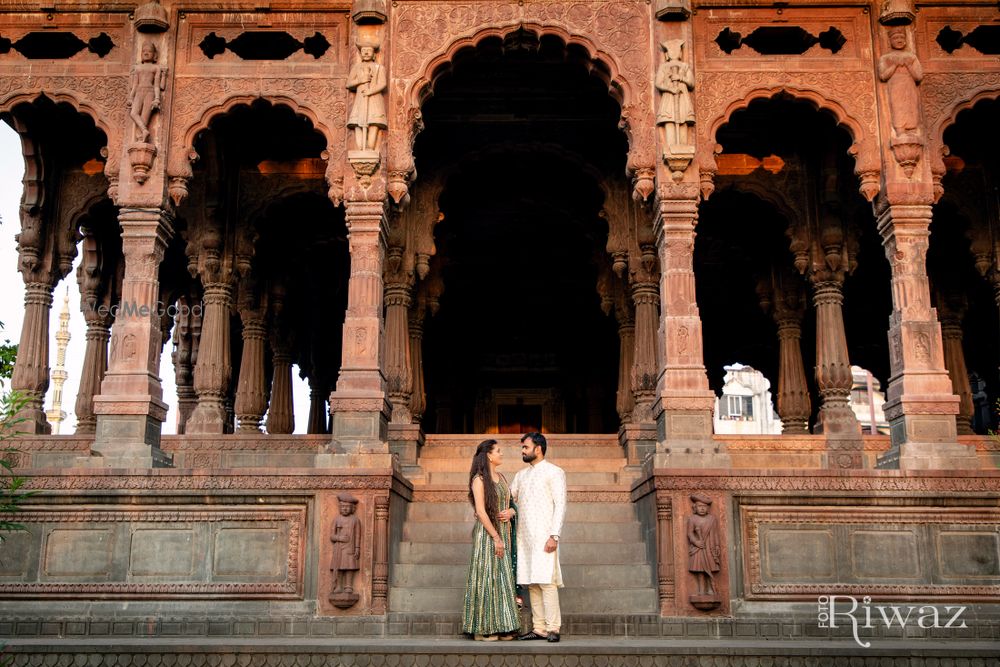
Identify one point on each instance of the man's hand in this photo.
(550, 545)
(505, 515)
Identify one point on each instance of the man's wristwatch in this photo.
(554, 537)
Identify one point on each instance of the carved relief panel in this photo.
(227, 59)
(79, 58)
(958, 47)
(750, 53)
(426, 34)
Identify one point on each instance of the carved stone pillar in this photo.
(397, 350)
(213, 371)
(418, 393)
(31, 370)
(358, 404)
(685, 403)
(251, 389)
(639, 433)
(187, 334)
(951, 309)
(96, 292)
(130, 410)
(95, 363)
(920, 405)
(380, 547)
(318, 396)
(665, 554)
(281, 411)
(833, 374)
(625, 401)
(794, 406)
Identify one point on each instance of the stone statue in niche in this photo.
(368, 81)
(149, 80)
(704, 552)
(900, 70)
(346, 537)
(675, 81)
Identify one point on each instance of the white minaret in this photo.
(55, 414)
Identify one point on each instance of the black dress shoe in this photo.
(531, 635)
(553, 637)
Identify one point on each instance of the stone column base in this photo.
(405, 440)
(128, 432)
(360, 424)
(924, 437)
(929, 456)
(127, 441)
(684, 433)
(638, 441)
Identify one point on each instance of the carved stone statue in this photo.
(149, 80)
(346, 538)
(704, 551)
(368, 81)
(901, 72)
(675, 81)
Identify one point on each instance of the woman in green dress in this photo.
(490, 611)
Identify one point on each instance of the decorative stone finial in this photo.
(151, 17)
(673, 10)
(368, 11)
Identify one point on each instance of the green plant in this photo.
(12, 491)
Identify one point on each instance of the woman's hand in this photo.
(498, 546)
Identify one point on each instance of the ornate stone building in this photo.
(479, 217)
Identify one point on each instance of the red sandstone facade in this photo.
(309, 182)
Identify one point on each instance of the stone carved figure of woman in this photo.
(704, 550)
(901, 72)
(346, 538)
(368, 81)
(675, 81)
(149, 80)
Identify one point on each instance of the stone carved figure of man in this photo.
(704, 550)
(148, 82)
(368, 81)
(675, 81)
(901, 72)
(346, 538)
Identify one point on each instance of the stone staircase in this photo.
(603, 556)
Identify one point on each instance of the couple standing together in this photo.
(532, 508)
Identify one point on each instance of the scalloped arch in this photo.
(81, 106)
(854, 127)
(951, 118)
(210, 113)
(422, 87)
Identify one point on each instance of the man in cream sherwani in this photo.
(540, 492)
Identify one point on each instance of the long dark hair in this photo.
(481, 468)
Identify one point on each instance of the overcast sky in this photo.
(12, 303)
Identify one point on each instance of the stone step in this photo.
(512, 454)
(571, 600)
(461, 531)
(573, 478)
(575, 512)
(457, 554)
(511, 467)
(574, 576)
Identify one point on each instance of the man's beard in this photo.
(528, 458)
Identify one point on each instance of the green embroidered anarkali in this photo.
(490, 607)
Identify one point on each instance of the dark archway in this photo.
(524, 131)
